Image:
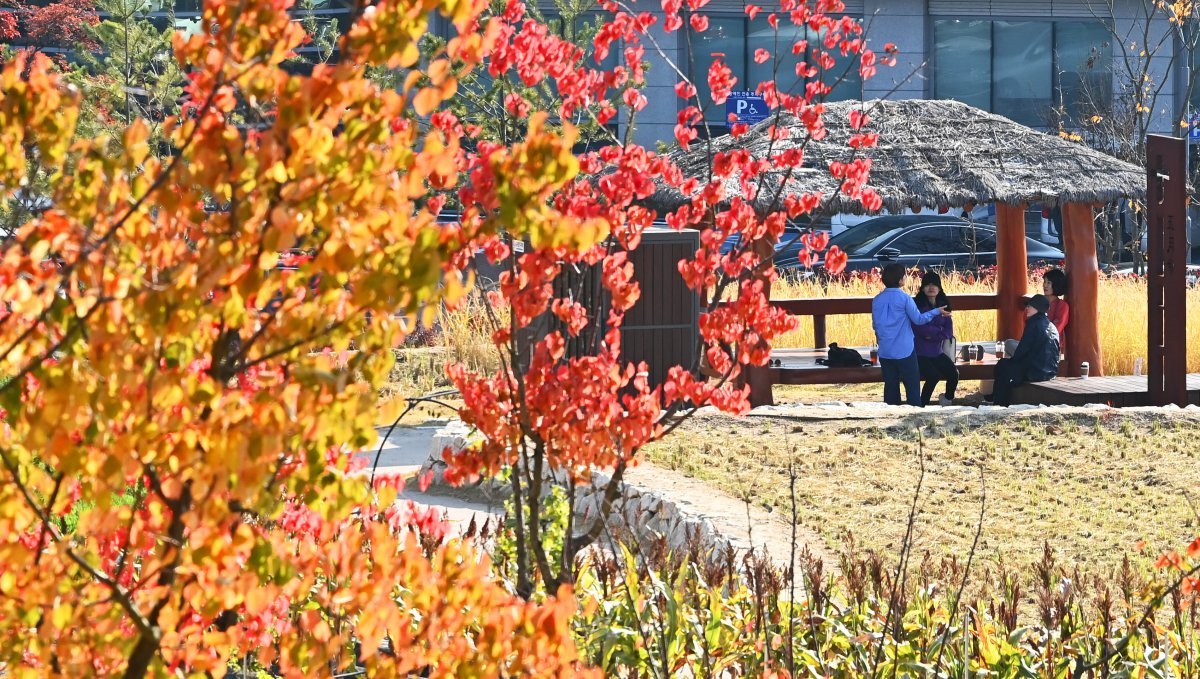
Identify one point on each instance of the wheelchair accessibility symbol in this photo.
(746, 107)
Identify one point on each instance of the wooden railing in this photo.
(820, 308)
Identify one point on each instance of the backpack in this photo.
(840, 357)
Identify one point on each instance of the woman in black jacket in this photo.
(1036, 357)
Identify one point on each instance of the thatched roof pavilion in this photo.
(944, 153)
(930, 153)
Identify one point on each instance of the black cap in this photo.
(1039, 302)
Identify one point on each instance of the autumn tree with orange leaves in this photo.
(179, 424)
(208, 444)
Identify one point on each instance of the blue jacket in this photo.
(1037, 352)
(893, 314)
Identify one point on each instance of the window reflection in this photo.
(963, 54)
(1023, 69)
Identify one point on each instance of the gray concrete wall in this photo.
(664, 51)
(904, 23)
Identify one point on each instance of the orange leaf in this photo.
(427, 100)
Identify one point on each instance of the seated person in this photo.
(933, 362)
(1036, 357)
(1054, 286)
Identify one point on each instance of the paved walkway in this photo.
(403, 453)
(407, 449)
(744, 526)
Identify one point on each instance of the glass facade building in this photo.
(1024, 70)
(735, 39)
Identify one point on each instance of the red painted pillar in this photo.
(764, 250)
(1012, 270)
(1083, 289)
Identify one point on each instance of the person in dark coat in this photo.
(1036, 357)
(934, 364)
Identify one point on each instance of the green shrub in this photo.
(694, 614)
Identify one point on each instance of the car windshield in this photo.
(861, 239)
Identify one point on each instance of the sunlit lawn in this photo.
(1091, 485)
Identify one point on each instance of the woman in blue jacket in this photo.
(893, 314)
(934, 364)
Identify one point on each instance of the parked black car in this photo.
(917, 241)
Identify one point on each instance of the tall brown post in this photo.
(764, 251)
(1012, 273)
(760, 378)
(1083, 289)
(1166, 202)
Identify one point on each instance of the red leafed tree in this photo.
(8, 26)
(554, 418)
(187, 404)
(63, 24)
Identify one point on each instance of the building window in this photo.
(735, 39)
(1023, 70)
(1190, 45)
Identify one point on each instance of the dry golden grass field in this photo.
(1122, 316)
(1092, 486)
(461, 334)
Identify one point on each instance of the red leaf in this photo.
(835, 260)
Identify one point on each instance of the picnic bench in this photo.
(799, 366)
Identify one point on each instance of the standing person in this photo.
(934, 364)
(1054, 287)
(1036, 357)
(893, 314)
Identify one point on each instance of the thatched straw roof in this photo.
(930, 153)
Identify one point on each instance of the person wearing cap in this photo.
(1036, 357)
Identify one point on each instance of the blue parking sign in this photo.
(746, 107)
(1194, 128)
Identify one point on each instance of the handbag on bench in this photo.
(950, 347)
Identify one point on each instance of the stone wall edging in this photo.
(639, 514)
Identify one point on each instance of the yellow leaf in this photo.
(61, 617)
(135, 141)
(439, 70)
(410, 81)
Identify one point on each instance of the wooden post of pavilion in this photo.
(1083, 289)
(1012, 270)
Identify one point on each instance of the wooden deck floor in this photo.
(1119, 391)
